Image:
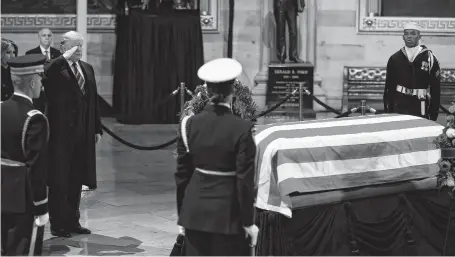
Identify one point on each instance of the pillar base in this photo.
(260, 89)
(319, 93)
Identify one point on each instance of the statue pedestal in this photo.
(283, 79)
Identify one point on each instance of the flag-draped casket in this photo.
(333, 154)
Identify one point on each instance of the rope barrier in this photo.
(444, 109)
(138, 147)
(187, 91)
(278, 104)
(147, 148)
(324, 105)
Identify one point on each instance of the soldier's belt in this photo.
(407, 91)
(422, 94)
(217, 173)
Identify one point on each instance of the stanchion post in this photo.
(182, 97)
(363, 107)
(301, 101)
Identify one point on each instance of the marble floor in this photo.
(133, 211)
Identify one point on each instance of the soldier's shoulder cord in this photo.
(30, 116)
(184, 131)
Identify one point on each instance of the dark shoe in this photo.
(60, 232)
(81, 230)
(296, 60)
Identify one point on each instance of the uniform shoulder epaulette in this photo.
(33, 113)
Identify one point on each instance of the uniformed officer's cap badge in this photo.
(27, 64)
(220, 70)
(412, 26)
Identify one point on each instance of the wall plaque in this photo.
(283, 79)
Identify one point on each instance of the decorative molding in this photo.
(367, 24)
(30, 23)
(210, 21)
(96, 23)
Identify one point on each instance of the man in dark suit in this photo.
(44, 48)
(286, 12)
(24, 135)
(75, 125)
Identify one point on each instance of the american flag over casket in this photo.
(333, 154)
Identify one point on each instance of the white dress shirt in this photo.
(43, 51)
(412, 52)
(24, 96)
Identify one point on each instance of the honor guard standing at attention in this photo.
(413, 78)
(24, 133)
(215, 171)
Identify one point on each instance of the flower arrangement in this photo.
(446, 140)
(243, 105)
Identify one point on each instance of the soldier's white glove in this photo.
(181, 230)
(253, 232)
(42, 220)
(70, 52)
(421, 94)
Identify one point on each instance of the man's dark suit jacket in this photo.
(40, 103)
(37, 50)
(74, 119)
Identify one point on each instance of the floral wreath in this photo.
(446, 140)
(243, 105)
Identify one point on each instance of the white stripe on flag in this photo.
(353, 166)
(265, 168)
(283, 208)
(339, 140)
(336, 123)
(356, 139)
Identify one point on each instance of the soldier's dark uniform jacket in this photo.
(221, 142)
(15, 112)
(215, 181)
(24, 137)
(404, 78)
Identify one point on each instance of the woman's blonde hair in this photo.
(6, 43)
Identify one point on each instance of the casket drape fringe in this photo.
(271, 239)
(413, 223)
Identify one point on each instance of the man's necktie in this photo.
(46, 53)
(80, 79)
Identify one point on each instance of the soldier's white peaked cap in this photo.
(412, 26)
(220, 70)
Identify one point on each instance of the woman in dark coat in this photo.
(215, 171)
(8, 50)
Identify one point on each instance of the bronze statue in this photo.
(286, 11)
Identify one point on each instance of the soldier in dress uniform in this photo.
(413, 78)
(215, 170)
(24, 135)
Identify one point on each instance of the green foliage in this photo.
(244, 106)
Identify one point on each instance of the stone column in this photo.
(81, 25)
(308, 47)
(307, 22)
(266, 48)
(373, 7)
